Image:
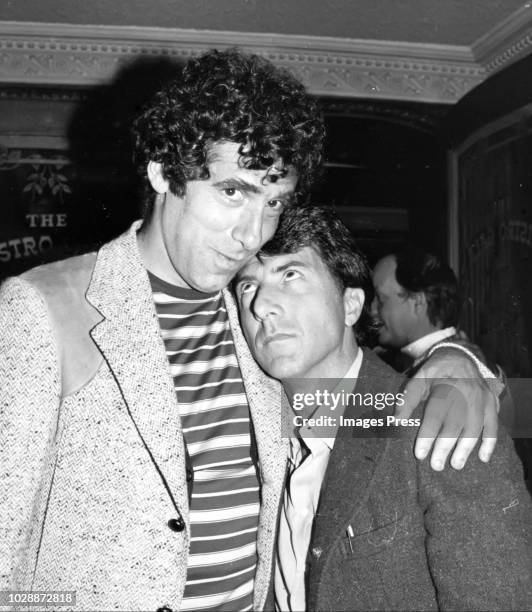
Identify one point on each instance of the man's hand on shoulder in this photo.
(460, 407)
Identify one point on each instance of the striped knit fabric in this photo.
(216, 426)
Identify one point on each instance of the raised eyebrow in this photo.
(237, 184)
(289, 264)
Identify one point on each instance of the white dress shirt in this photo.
(419, 347)
(301, 499)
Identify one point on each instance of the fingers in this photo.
(445, 417)
(489, 435)
(474, 422)
(434, 417)
(478, 422)
(442, 448)
(452, 433)
(459, 409)
(486, 449)
(447, 426)
(422, 446)
(462, 451)
(453, 425)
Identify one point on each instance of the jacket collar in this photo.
(119, 282)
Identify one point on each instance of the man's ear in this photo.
(353, 304)
(420, 303)
(156, 178)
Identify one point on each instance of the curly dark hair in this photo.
(420, 272)
(229, 96)
(319, 227)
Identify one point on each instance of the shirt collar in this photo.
(420, 346)
(353, 370)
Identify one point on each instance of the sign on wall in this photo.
(36, 188)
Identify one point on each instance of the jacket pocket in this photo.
(375, 540)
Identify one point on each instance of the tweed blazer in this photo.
(91, 451)
(422, 540)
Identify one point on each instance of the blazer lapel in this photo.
(130, 342)
(352, 464)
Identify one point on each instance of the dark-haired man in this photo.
(140, 465)
(417, 302)
(425, 316)
(417, 306)
(364, 526)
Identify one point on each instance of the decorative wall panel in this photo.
(494, 240)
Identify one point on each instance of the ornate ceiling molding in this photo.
(507, 42)
(77, 55)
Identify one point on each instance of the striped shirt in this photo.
(214, 414)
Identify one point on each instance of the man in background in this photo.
(417, 307)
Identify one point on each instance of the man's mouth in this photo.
(276, 337)
(231, 261)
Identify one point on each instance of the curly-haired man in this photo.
(142, 462)
(110, 487)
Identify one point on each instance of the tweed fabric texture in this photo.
(422, 540)
(90, 477)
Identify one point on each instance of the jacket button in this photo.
(164, 609)
(189, 475)
(177, 524)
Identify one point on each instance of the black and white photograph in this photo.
(265, 271)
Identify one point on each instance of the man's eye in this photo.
(246, 288)
(233, 193)
(291, 275)
(276, 205)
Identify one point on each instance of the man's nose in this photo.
(374, 307)
(248, 229)
(265, 303)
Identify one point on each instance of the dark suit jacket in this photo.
(423, 540)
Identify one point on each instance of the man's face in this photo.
(391, 306)
(295, 318)
(207, 235)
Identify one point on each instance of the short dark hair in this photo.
(421, 272)
(320, 228)
(229, 96)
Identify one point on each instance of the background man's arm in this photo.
(29, 405)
